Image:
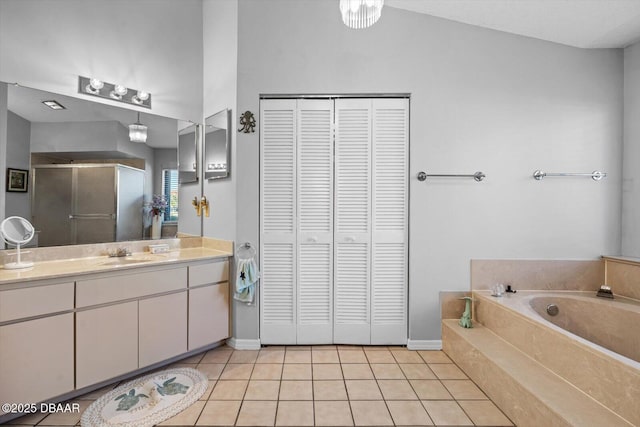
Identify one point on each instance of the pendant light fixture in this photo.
(138, 131)
(358, 14)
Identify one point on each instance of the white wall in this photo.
(18, 157)
(154, 45)
(630, 181)
(480, 100)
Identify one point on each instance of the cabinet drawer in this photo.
(204, 274)
(35, 301)
(116, 288)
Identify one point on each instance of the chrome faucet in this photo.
(605, 292)
(119, 252)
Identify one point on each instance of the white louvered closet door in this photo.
(278, 318)
(352, 234)
(315, 221)
(389, 227)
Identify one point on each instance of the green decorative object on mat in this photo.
(465, 320)
(148, 400)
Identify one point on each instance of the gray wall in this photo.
(481, 100)
(631, 184)
(18, 157)
(3, 147)
(165, 158)
(220, 19)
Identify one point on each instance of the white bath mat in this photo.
(148, 400)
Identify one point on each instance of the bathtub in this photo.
(593, 343)
(611, 324)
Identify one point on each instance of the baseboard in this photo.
(243, 344)
(424, 344)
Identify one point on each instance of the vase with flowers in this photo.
(156, 209)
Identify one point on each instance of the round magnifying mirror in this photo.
(17, 231)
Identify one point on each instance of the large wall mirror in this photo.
(217, 145)
(85, 180)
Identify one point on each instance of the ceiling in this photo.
(27, 103)
(579, 23)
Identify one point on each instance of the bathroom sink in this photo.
(127, 261)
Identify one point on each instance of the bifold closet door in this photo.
(352, 235)
(278, 221)
(371, 200)
(296, 221)
(389, 225)
(315, 221)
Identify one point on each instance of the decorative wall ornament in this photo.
(248, 122)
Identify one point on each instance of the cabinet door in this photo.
(163, 328)
(36, 359)
(208, 315)
(106, 343)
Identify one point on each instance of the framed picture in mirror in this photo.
(17, 180)
(217, 145)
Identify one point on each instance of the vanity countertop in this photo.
(100, 264)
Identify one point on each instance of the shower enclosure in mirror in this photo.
(217, 145)
(84, 141)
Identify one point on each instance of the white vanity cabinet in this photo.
(36, 343)
(61, 335)
(129, 320)
(208, 303)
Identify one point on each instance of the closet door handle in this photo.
(350, 239)
(313, 239)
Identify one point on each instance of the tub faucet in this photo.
(605, 292)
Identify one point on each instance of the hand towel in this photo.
(247, 277)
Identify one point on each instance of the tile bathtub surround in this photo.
(326, 386)
(575, 275)
(623, 275)
(451, 304)
(608, 381)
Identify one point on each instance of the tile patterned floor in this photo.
(324, 386)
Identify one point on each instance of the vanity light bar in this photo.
(54, 105)
(115, 92)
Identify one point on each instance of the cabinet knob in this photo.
(313, 239)
(350, 239)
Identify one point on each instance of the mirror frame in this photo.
(186, 177)
(217, 174)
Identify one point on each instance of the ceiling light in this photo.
(54, 105)
(359, 14)
(138, 131)
(111, 91)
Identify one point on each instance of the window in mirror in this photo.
(170, 192)
(217, 145)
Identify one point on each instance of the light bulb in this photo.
(143, 96)
(120, 90)
(96, 84)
